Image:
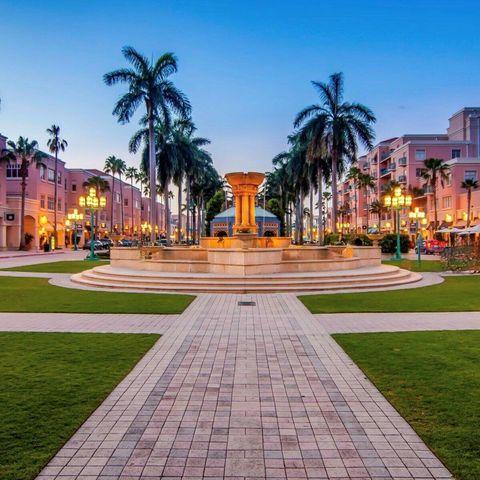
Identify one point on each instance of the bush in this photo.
(334, 239)
(28, 238)
(360, 240)
(388, 243)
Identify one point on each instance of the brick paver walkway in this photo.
(244, 392)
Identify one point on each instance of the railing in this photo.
(402, 161)
(393, 166)
(366, 166)
(386, 155)
(402, 179)
(384, 171)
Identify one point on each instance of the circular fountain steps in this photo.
(368, 277)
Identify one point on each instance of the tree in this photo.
(214, 206)
(377, 208)
(28, 154)
(365, 182)
(148, 82)
(55, 144)
(469, 184)
(131, 173)
(435, 170)
(112, 166)
(337, 126)
(101, 186)
(354, 175)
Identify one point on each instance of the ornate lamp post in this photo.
(92, 202)
(75, 218)
(416, 215)
(397, 202)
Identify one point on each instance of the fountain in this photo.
(245, 262)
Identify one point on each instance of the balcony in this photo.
(384, 171)
(402, 179)
(366, 166)
(385, 155)
(392, 166)
(402, 161)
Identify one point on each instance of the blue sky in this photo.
(245, 65)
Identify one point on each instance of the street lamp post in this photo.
(417, 215)
(397, 201)
(76, 218)
(92, 202)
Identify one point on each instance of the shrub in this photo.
(360, 240)
(28, 238)
(334, 239)
(388, 243)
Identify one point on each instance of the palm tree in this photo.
(377, 208)
(28, 154)
(111, 168)
(354, 175)
(337, 126)
(101, 186)
(121, 167)
(131, 173)
(55, 145)
(469, 184)
(435, 170)
(365, 182)
(148, 82)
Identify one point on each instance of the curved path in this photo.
(233, 391)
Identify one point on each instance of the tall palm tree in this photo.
(339, 126)
(131, 173)
(377, 208)
(365, 182)
(28, 154)
(55, 144)
(354, 175)
(101, 186)
(110, 167)
(469, 184)
(435, 170)
(121, 167)
(148, 82)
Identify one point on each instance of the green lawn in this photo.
(50, 384)
(73, 266)
(412, 265)
(454, 294)
(20, 294)
(433, 380)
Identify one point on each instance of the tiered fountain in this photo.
(245, 262)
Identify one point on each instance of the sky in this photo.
(246, 67)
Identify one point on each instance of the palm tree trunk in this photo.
(121, 203)
(334, 190)
(179, 223)
(469, 201)
(152, 173)
(187, 201)
(310, 236)
(320, 206)
(55, 197)
(435, 207)
(199, 219)
(22, 214)
(167, 214)
(356, 209)
(133, 220)
(113, 202)
(194, 225)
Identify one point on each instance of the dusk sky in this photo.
(246, 67)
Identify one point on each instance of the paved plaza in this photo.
(233, 391)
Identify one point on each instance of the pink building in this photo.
(40, 205)
(401, 159)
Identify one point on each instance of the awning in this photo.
(460, 223)
(445, 224)
(471, 230)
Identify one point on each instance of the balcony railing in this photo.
(392, 166)
(402, 179)
(402, 161)
(385, 155)
(366, 166)
(384, 171)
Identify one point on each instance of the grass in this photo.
(20, 294)
(412, 265)
(51, 383)
(433, 380)
(73, 266)
(454, 294)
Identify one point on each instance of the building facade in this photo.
(400, 161)
(129, 208)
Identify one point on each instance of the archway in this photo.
(221, 233)
(30, 230)
(270, 233)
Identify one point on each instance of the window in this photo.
(456, 153)
(117, 197)
(42, 201)
(51, 175)
(51, 203)
(59, 178)
(448, 182)
(125, 202)
(137, 204)
(470, 175)
(13, 170)
(420, 154)
(447, 202)
(42, 172)
(418, 172)
(74, 187)
(59, 205)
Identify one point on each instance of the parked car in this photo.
(107, 243)
(98, 245)
(161, 242)
(431, 247)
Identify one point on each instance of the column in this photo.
(245, 218)
(252, 209)
(238, 209)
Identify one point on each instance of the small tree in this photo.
(469, 184)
